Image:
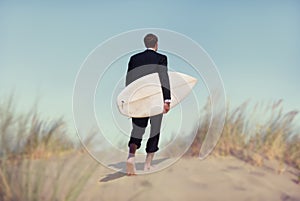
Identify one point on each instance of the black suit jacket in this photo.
(148, 62)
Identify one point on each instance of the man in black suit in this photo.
(141, 64)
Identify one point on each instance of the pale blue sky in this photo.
(255, 44)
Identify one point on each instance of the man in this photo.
(139, 65)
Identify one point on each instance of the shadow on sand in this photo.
(121, 166)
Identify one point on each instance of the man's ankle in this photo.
(130, 155)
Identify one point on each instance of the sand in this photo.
(191, 179)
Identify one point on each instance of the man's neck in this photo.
(150, 48)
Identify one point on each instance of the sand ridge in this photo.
(193, 179)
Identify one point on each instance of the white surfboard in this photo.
(144, 98)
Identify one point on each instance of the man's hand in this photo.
(166, 107)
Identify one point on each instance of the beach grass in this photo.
(255, 139)
(37, 158)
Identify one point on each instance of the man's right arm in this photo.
(128, 77)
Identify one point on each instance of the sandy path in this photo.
(192, 179)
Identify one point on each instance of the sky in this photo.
(254, 44)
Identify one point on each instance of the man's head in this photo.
(150, 41)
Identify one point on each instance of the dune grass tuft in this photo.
(37, 159)
(255, 134)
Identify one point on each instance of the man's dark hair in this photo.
(150, 40)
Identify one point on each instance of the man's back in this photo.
(148, 62)
(144, 63)
(145, 58)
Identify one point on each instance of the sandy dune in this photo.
(193, 179)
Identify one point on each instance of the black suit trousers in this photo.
(138, 129)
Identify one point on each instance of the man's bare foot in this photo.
(130, 166)
(149, 158)
(148, 168)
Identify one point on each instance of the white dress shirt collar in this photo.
(150, 48)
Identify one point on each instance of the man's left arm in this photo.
(165, 82)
